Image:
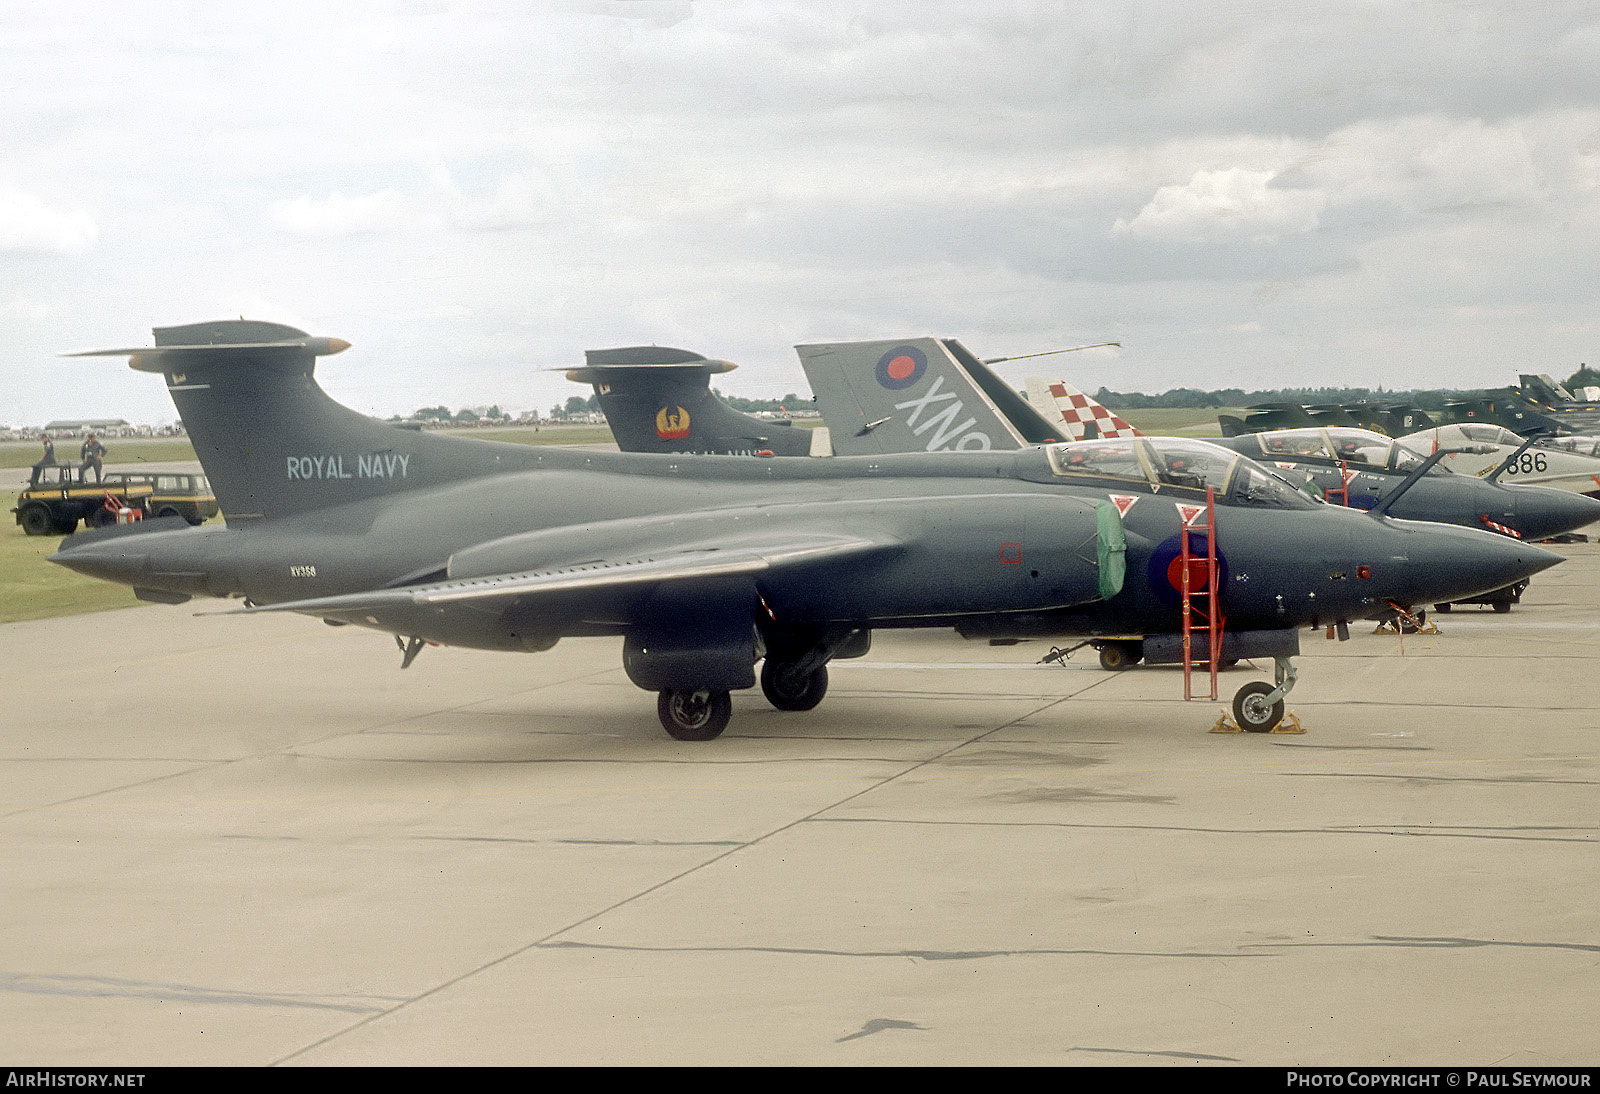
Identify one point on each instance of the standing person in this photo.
(93, 453)
(49, 457)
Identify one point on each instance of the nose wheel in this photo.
(1258, 707)
(694, 715)
(1254, 709)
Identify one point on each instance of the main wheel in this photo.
(1251, 709)
(1502, 606)
(1442, 609)
(1118, 656)
(787, 691)
(36, 521)
(1408, 627)
(694, 715)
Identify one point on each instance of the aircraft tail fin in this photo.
(1495, 409)
(1403, 418)
(911, 395)
(658, 399)
(1083, 418)
(1232, 425)
(270, 439)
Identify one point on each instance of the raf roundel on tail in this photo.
(901, 367)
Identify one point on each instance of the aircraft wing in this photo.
(656, 567)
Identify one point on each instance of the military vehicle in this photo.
(706, 567)
(57, 497)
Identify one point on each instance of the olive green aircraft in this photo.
(705, 566)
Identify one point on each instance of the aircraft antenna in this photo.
(1048, 352)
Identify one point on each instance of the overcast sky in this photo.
(1244, 194)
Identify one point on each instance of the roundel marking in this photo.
(901, 367)
(1165, 572)
(672, 423)
(1197, 573)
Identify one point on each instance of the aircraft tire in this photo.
(1120, 656)
(785, 694)
(1408, 627)
(36, 521)
(694, 715)
(1502, 606)
(1252, 712)
(1442, 609)
(100, 518)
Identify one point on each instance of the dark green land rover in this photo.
(57, 497)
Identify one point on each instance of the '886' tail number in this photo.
(1527, 463)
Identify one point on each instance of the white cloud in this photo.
(28, 224)
(520, 201)
(1425, 163)
(337, 215)
(24, 308)
(1236, 203)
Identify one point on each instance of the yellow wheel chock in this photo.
(1289, 724)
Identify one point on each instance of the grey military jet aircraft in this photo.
(659, 399)
(1359, 468)
(706, 567)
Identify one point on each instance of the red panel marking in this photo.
(1011, 552)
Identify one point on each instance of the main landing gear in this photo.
(694, 715)
(794, 677)
(792, 685)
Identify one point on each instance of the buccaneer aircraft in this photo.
(705, 567)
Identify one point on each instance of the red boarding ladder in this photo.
(1200, 609)
(1343, 489)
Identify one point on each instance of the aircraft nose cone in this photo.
(1450, 563)
(1543, 512)
(107, 560)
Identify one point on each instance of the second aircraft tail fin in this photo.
(658, 399)
(1081, 416)
(916, 395)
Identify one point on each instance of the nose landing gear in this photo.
(1258, 707)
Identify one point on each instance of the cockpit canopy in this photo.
(1484, 433)
(1359, 448)
(1583, 446)
(1154, 462)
